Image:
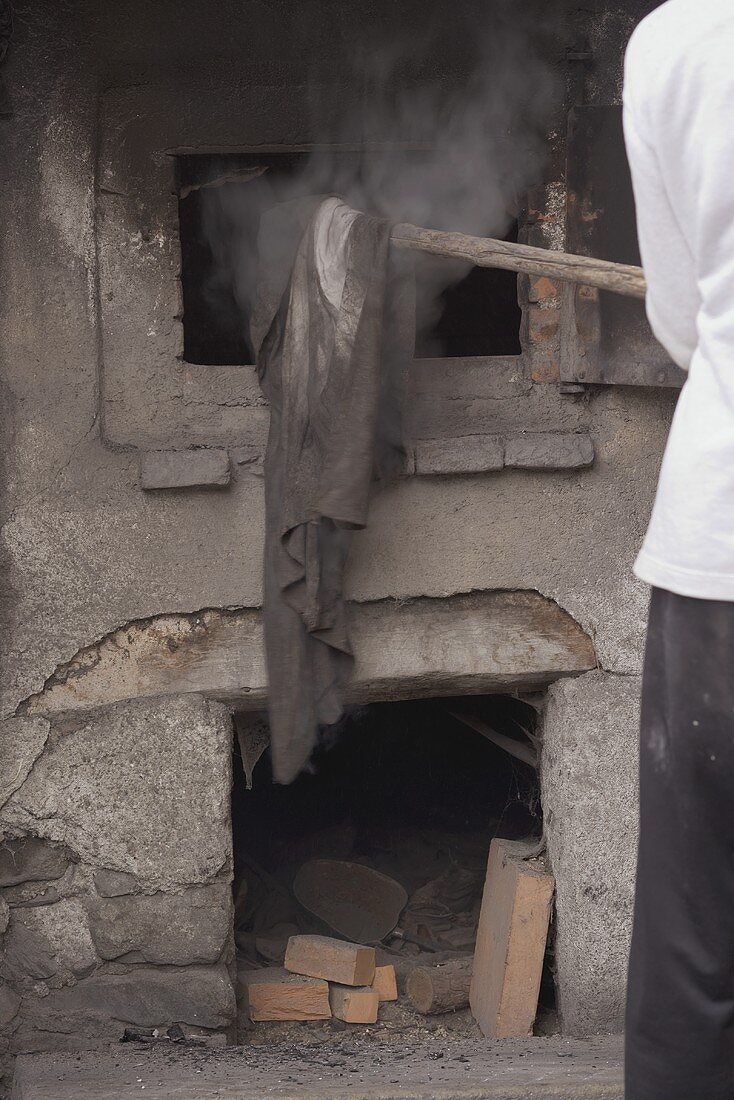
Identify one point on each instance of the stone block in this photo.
(29, 894)
(545, 364)
(27, 955)
(169, 929)
(95, 1011)
(549, 451)
(9, 1003)
(589, 786)
(155, 803)
(4, 915)
(196, 995)
(21, 743)
(199, 996)
(469, 454)
(53, 937)
(114, 884)
(195, 469)
(29, 859)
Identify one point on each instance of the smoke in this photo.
(450, 146)
(453, 151)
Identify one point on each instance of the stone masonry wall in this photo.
(115, 821)
(115, 874)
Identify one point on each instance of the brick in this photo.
(385, 983)
(542, 330)
(545, 368)
(511, 939)
(468, 454)
(549, 451)
(354, 1006)
(196, 469)
(274, 994)
(542, 289)
(331, 959)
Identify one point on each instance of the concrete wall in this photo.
(86, 551)
(589, 783)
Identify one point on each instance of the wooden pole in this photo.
(486, 252)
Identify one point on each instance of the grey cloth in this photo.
(331, 360)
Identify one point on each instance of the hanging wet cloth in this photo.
(333, 331)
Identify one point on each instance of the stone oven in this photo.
(495, 575)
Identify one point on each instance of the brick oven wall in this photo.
(116, 817)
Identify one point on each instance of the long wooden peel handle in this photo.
(486, 252)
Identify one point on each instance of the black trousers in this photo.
(680, 1002)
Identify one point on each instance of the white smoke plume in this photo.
(453, 151)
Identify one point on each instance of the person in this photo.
(679, 129)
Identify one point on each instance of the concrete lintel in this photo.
(471, 643)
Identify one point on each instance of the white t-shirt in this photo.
(679, 128)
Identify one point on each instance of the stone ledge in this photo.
(482, 454)
(99, 1006)
(443, 456)
(471, 454)
(549, 451)
(194, 469)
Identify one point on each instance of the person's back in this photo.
(679, 121)
(679, 126)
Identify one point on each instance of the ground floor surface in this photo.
(351, 1066)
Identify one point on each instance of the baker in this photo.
(679, 126)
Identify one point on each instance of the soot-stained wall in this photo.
(552, 498)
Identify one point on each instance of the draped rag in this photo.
(332, 348)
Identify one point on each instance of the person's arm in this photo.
(673, 297)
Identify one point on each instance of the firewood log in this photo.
(444, 988)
